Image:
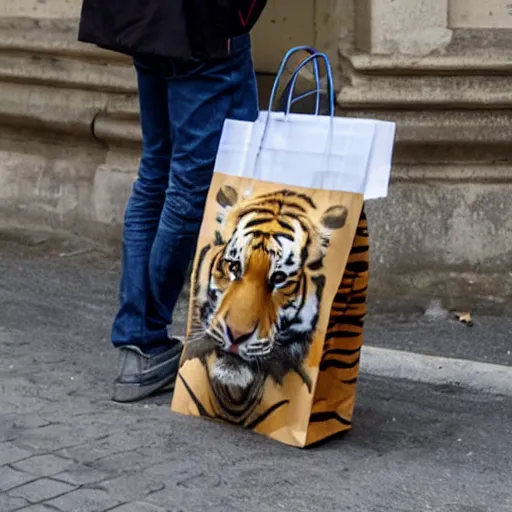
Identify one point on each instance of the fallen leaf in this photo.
(464, 318)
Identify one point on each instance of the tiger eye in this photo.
(234, 267)
(278, 278)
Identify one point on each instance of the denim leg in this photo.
(135, 323)
(198, 106)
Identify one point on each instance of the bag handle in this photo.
(318, 91)
(314, 57)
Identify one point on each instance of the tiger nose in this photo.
(236, 336)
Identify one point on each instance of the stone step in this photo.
(482, 92)
(49, 37)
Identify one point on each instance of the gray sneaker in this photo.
(140, 375)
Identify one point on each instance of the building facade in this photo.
(69, 135)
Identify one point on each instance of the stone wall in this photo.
(69, 134)
(441, 70)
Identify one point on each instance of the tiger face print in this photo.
(259, 284)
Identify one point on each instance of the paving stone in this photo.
(10, 478)
(138, 506)
(8, 432)
(101, 448)
(176, 498)
(10, 453)
(24, 404)
(22, 421)
(54, 437)
(8, 504)
(226, 507)
(43, 465)
(133, 487)
(40, 490)
(85, 500)
(7, 436)
(82, 475)
(129, 461)
(37, 508)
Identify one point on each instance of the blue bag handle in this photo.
(314, 57)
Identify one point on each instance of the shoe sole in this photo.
(129, 392)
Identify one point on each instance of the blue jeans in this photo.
(183, 107)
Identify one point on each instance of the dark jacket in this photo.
(182, 29)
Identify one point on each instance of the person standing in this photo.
(194, 70)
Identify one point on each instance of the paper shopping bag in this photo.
(280, 275)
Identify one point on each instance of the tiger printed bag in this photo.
(280, 274)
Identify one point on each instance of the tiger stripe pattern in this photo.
(335, 392)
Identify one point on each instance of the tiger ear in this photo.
(226, 198)
(334, 217)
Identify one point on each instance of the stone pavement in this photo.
(64, 446)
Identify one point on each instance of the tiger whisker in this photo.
(197, 327)
(197, 334)
(215, 335)
(260, 344)
(217, 339)
(193, 332)
(196, 331)
(201, 332)
(257, 352)
(194, 339)
(214, 330)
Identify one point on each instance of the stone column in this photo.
(66, 110)
(441, 69)
(388, 27)
(491, 14)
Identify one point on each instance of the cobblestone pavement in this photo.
(64, 446)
